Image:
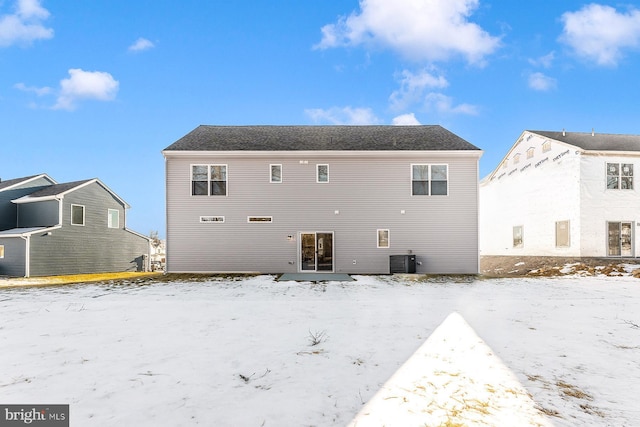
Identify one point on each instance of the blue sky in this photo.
(98, 88)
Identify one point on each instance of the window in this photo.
(211, 219)
(546, 146)
(530, 152)
(1, 251)
(516, 158)
(619, 176)
(429, 180)
(383, 238)
(322, 174)
(77, 215)
(209, 180)
(259, 219)
(276, 173)
(518, 236)
(562, 234)
(113, 218)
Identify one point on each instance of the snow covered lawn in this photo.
(256, 352)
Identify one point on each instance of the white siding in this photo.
(535, 193)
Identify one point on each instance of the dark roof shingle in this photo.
(595, 141)
(319, 138)
(54, 190)
(10, 182)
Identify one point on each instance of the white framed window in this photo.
(77, 215)
(275, 174)
(429, 180)
(1, 251)
(262, 219)
(563, 236)
(383, 237)
(619, 176)
(209, 219)
(113, 218)
(209, 180)
(322, 173)
(518, 236)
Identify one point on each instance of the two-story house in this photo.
(49, 229)
(563, 194)
(343, 199)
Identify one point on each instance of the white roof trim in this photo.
(24, 232)
(325, 154)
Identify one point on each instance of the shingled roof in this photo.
(11, 182)
(595, 141)
(319, 138)
(57, 189)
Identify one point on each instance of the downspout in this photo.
(27, 249)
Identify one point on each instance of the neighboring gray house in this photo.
(343, 199)
(77, 227)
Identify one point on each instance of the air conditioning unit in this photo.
(402, 264)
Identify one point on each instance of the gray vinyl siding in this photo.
(92, 248)
(368, 192)
(40, 214)
(13, 263)
(8, 210)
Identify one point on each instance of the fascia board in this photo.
(327, 154)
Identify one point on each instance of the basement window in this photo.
(562, 234)
(211, 219)
(518, 236)
(263, 219)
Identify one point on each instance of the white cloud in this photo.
(40, 91)
(444, 104)
(343, 116)
(544, 61)
(140, 45)
(85, 85)
(541, 82)
(406, 120)
(422, 30)
(25, 24)
(413, 86)
(599, 33)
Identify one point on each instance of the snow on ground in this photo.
(240, 352)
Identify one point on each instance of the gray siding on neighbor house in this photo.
(40, 214)
(92, 248)
(365, 192)
(8, 210)
(13, 263)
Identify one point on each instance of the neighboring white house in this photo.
(563, 194)
(333, 199)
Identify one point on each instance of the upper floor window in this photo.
(516, 158)
(275, 173)
(619, 176)
(429, 180)
(546, 146)
(1, 251)
(113, 218)
(322, 173)
(209, 180)
(77, 215)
